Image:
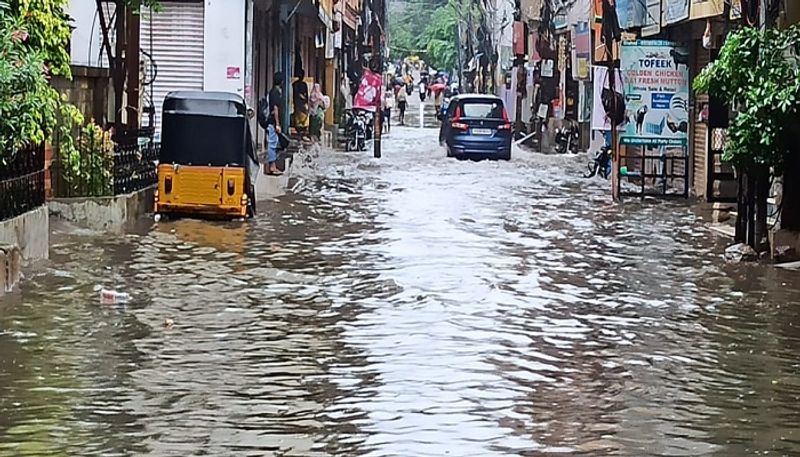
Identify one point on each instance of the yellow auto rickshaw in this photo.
(207, 163)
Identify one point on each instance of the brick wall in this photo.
(88, 90)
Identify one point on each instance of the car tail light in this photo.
(460, 126)
(505, 126)
(457, 115)
(505, 114)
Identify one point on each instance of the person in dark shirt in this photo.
(274, 123)
(300, 100)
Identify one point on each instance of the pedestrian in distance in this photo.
(270, 118)
(388, 104)
(402, 102)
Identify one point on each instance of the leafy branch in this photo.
(757, 72)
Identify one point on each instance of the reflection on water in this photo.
(415, 306)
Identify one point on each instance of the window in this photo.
(483, 109)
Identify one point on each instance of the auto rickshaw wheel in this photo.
(251, 203)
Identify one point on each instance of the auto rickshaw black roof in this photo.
(221, 104)
(206, 129)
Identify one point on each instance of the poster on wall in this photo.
(631, 13)
(656, 93)
(675, 11)
(582, 52)
(329, 51)
(547, 68)
(584, 101)
(652, 20)
(706, 8)
(736, 9)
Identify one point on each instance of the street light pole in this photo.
(380, 16)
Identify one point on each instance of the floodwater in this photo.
(411, 306)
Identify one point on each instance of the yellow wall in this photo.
(330, 89)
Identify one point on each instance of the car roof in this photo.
(487, 97)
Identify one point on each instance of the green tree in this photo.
(419, 28)
(28, 104)
(47, 24)
(29, 107)
(440, 37)
(757, 72)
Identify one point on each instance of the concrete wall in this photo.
(224, 45)
(10, 268)
(108, 214)
(30, 232)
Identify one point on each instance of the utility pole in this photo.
(460, 57)
(118, 68)
(380, 16)
(611, 37)
(132, 68)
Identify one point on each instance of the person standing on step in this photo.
(270, 118)
(300, 100)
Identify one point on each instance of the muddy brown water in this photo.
(412, 306)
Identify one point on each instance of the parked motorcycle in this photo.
(601, 165)
(449, 94)
(567, 139)
(358, 128)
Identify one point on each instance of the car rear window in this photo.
(483, 109)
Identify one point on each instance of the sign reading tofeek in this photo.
(656, 89)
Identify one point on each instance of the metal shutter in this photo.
(177, 44)
(702, 57)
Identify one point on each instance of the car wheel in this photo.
(506, 155)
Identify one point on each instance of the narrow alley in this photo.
(409, 306)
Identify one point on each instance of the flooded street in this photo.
(409, 306)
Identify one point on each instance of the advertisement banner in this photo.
(368, 95)
(652, 20)
(675, 11)
(580, 67)
(631, 13)
(656, 89)
(706, 8)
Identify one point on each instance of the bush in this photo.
(87, 164)
(28, 105)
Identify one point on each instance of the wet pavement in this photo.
(412, 306)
